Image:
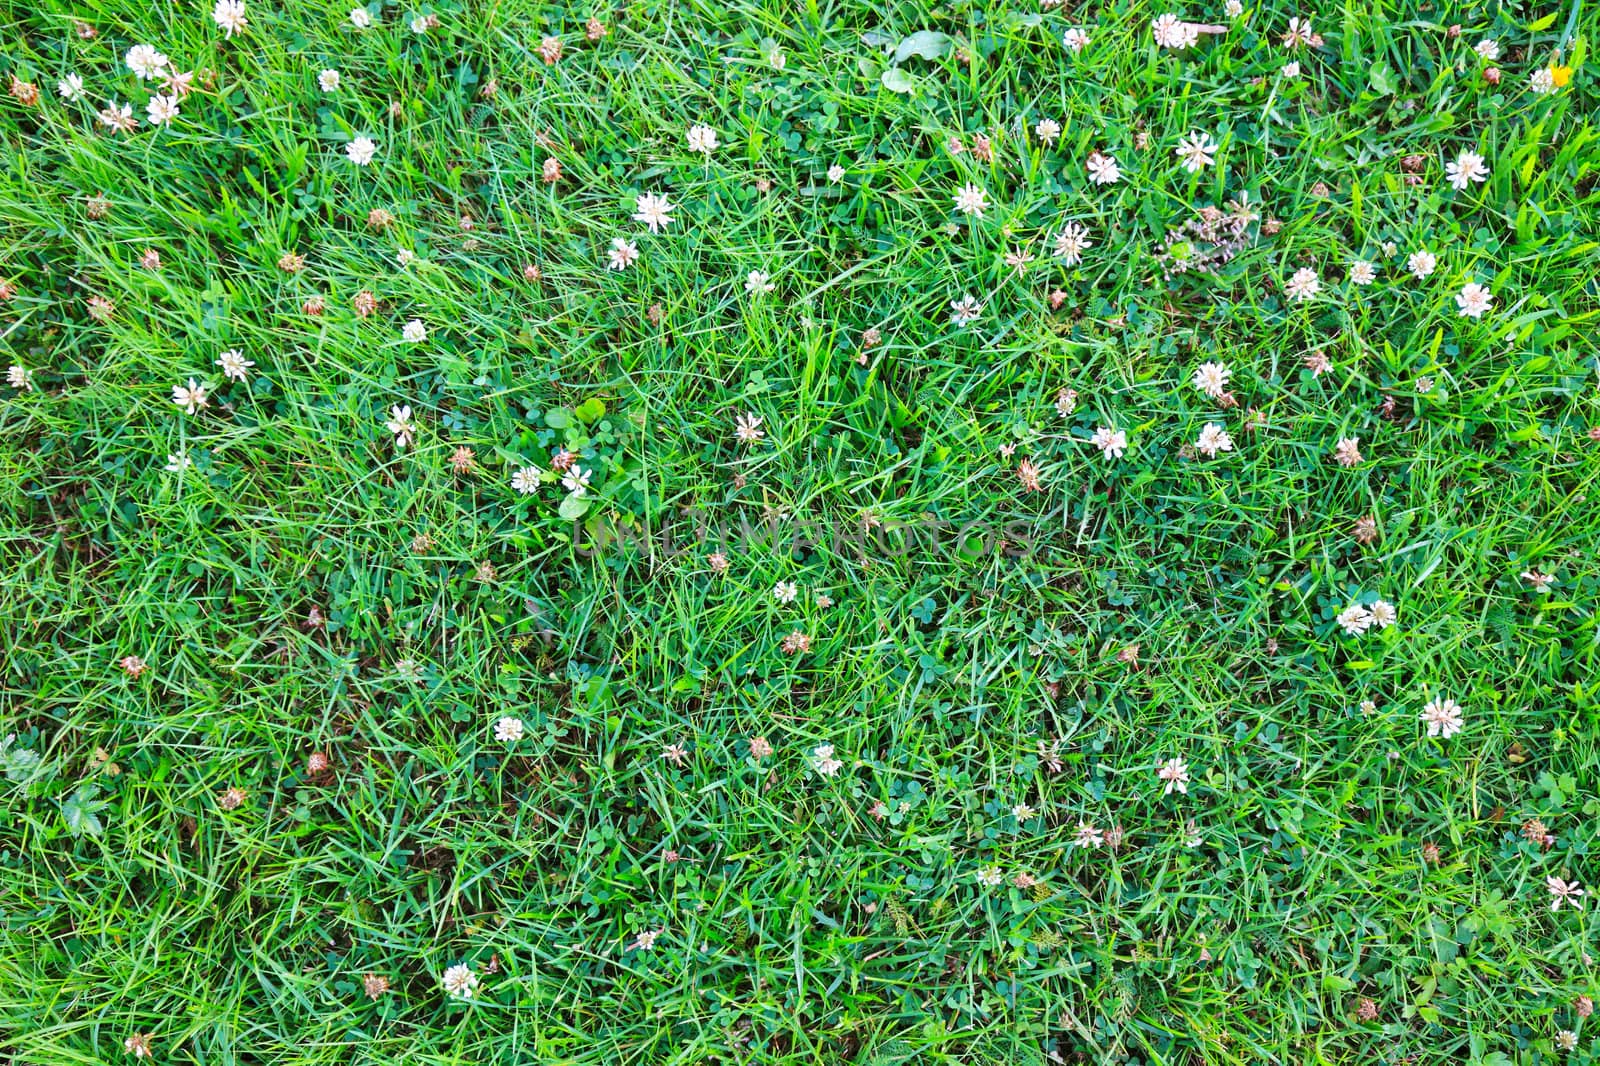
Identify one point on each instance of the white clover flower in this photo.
(1443, 716)
(1467, 169)
(1103, 169)
(1474, 301)
(525, 480)
(1196, 151)
(1212, 379)
(460, 982)
(646, 940)
(161, 109)
(229, 15)
(1212, 440)
(1384, 614)
(965, 311)
(361, 151)
(190, 397)
(234, 365)
(747, 428)
(1354, 620)
(1071, 243)
(1172, 32)
(653, 210)
(622, 254)
(1303, 285)
(145, 62)
(823, 761)
(1112, 442)
(399, 423)
(971, 199)
(1568, 892)
(576, 481)
(1175, 773)
(702, 139)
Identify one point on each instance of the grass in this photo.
(305, 587)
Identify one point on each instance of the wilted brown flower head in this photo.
(24, 92)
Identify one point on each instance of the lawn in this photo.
(743, 533)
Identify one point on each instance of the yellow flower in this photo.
(1560, 76)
